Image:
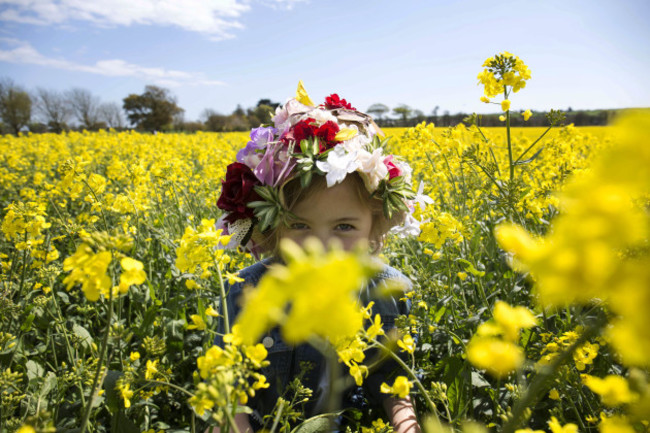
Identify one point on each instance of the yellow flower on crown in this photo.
(302, 96)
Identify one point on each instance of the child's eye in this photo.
(298, 226)
(345, 227)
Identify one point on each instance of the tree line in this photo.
(156, 109)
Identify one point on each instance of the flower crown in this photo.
(332, 140)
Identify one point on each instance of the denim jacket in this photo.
(287, 361)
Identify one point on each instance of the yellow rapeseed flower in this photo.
(132, 272)
(126, 393)
(89, 270)
(527, 114)
(358, 372)
(407, 344)
(197, 323)
(554, 394)
(257, 354)
(505, 105)
(401, 387)
(151, 369)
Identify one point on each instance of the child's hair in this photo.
(294, 193)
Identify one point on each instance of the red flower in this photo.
(393, 170)
(237, 191)
(333, 101)
(326, 134)
(302, 130)
(306, 129)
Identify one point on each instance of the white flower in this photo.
(339, 163)
(283, 115)
(356, 143)
(320, 116)
(422, 199)
(372, 167)
(405, 169)
(410, 227)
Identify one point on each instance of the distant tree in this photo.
(378, 110)
(84, 106)
(111, 114)
(419, 116)
(152, 110)
(15, 106)
(213, 121)
(268, 103)
(52, 108)
(261, 114)
(404, 111)
(446, 118)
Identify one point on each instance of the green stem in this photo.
(224, 304)
(101, 208)
(231, 422)
(531, 146)
(512, 165)
(100, 363)
(276, 421)
(22, 275)
(171, 385)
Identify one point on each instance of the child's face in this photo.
(331, 213)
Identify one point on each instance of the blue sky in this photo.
(424, 53)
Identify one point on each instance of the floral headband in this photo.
(332, 140)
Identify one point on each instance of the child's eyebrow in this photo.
(343, 219)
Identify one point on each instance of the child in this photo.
(320, 172)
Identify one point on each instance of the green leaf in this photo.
(469, 267)
(34, 370)
(532, 158)
(49, 383)
(113, 399)
(85, 338)
(314, 426)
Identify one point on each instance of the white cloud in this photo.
(22, 52)
(215, 18)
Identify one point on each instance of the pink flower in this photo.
(393, 170)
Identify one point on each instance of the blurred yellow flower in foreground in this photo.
(321, 288)
(613, 390)
(615, 424)
(512, 319)
(597, 247)
(499, 358)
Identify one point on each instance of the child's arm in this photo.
(402, 415)
(243, 425)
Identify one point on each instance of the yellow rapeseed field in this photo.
(530, 281)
